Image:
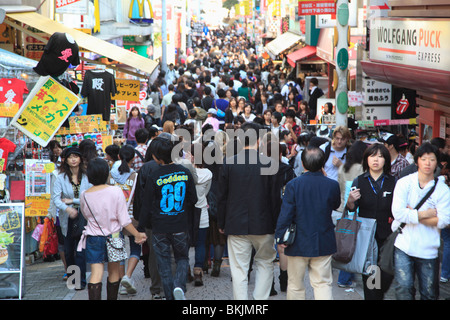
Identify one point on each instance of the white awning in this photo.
(282, 43)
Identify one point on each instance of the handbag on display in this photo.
(386, 262)
(346, 234)
(366, 249)
(115, 246)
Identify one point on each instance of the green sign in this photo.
(343, 14)
(342, 59)
(342, 102)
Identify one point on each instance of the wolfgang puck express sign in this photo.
(411, 42)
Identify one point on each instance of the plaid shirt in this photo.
(399, 164)
(137, 162)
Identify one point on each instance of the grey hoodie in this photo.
(117, 176)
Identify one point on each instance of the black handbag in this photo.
(289, 235)
(386, 260)
(78, 225)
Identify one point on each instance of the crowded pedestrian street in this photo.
(235, 155)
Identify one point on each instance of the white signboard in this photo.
(370, 113)
(376, 92)
(355, 98)
(411, 42)
(71, 6)
(326, 20)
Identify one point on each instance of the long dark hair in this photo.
(126, 154)
(355, 155)
(65, 168)
(372, 150)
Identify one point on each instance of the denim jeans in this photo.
(162, 242)
(445, 269)
(427, 271)
(74, 257)
(200, 248)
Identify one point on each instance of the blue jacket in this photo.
(308, 201)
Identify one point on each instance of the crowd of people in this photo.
(175, 199)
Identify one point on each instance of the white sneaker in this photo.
(128, 284)
(122, 290)
(178, 294)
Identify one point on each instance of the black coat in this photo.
(245, 196)
(312, 103)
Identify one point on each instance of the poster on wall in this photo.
(37, 187)
(46, 108)
(11, 249)
(403, 103)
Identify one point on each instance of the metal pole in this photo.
(342, 13)
(164, 36)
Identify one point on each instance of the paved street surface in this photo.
(44, 282)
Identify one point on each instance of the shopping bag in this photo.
(366, 250)
(51, 243)
(346, 234)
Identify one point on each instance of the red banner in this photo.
(311, 8)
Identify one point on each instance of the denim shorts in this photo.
(96, 249)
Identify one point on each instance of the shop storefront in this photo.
(38, 107)
(413, 55)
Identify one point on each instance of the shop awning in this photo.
(282, 43)
(300, 54)
(88, 42)
(420, 79)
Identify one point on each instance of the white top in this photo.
(416, 239)
(329, 167)
(203, 185)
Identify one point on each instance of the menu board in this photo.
(37, 187)
(11, 249)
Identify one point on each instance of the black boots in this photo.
(283, 280)
(216, 268)
(95, 291)
(112, 290)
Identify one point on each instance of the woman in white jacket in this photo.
(416, 248)
(203, 185)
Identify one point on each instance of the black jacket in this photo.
(376, 205)
(312, 103)
(245, 205)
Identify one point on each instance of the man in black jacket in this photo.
(314, 93)
(246, 215)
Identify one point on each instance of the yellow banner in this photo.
(36, 206)
(9, 109)
(127, 90)
(46, 108)
(87, 124)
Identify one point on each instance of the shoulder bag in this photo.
(346, 233)
(386, 261)
(115, 247)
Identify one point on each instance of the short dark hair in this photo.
(438, 142)
(141, 135)
(313, 159)
(162, 149)
(113, 151)
(372, 150)
(425, 148)
(290, 114)
(255, 127)
(97, 171)
(277, 116)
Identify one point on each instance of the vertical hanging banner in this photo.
(315, 7)
(46, 108)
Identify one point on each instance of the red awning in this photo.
(300, 54)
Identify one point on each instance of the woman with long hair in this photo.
(69, 184)
(134, 122)
(372, 198)
(231, 111)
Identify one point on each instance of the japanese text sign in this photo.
(46, 108)
(127, 90)
(314, 7)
